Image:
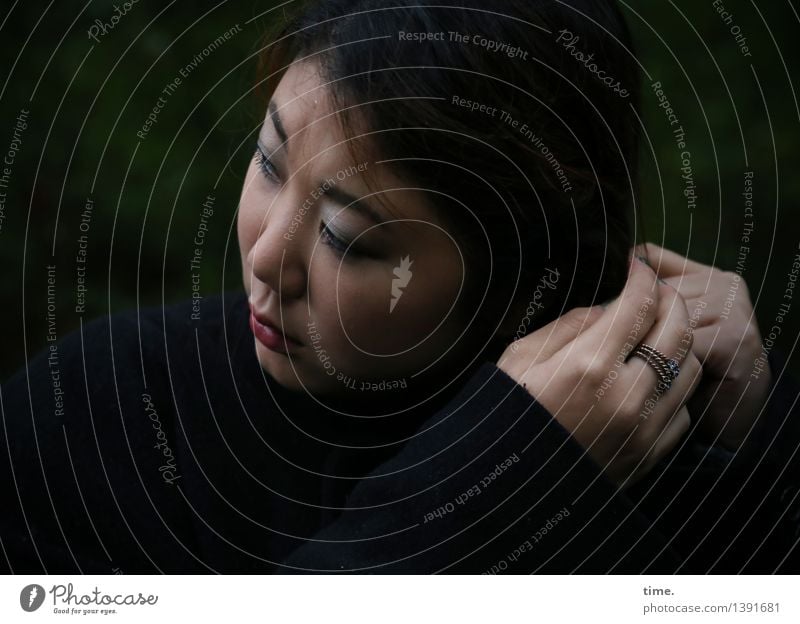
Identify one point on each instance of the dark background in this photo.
(86, 101)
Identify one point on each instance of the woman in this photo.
(419, 376)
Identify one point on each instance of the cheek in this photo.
(363, 319)
(249, 220)
(425, 314)
(345, 306)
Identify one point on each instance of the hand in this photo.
(726, 341)
(577, 368)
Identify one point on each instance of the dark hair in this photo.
(560, 197)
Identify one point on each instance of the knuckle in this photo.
(666, 296)
(728, 341)
(718, 275)
(578, 318)
(649, 301)
(575, 313)
(592, 368)
(645, 277)
(743, 286)
(594, 313)
(629, 415)
(684, 334)
(695, 370)
(752, 337)
(675, 297)
(731, 277)
(682, 420)
(669, 299)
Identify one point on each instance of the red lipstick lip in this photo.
(268, 334)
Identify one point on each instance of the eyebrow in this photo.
(339, 196)
(349, 201)
(276, 121)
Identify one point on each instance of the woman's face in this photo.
(363, 286)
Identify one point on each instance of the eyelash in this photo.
(266, 166)
(335, 243)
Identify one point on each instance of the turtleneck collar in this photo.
(386, 421)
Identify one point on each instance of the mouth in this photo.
(269, 335)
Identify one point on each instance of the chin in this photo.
(290, 373)
(279, 367)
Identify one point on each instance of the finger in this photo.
(692, 285)
(675, 428)
(660, 435)
(626, 319)
(667, 263)
(700, 312)
(670, 335)
(705, 338)
(717, 348)
(685, 385)
(548, 340)
(657, 414)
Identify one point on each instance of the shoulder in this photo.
(108, 363)
(91, 432)
(153, 332)
(208, 316)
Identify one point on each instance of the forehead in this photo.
(305, 109)
(318, 144)
(302, 97)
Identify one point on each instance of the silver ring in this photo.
(666, 368)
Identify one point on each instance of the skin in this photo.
(726, 340)
(626, 429)
(336, 301)
(302, 278)
(565, 363)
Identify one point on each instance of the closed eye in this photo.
(337, 244)
(265, 165)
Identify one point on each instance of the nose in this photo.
(280, 254)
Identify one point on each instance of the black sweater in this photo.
(154, 443)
